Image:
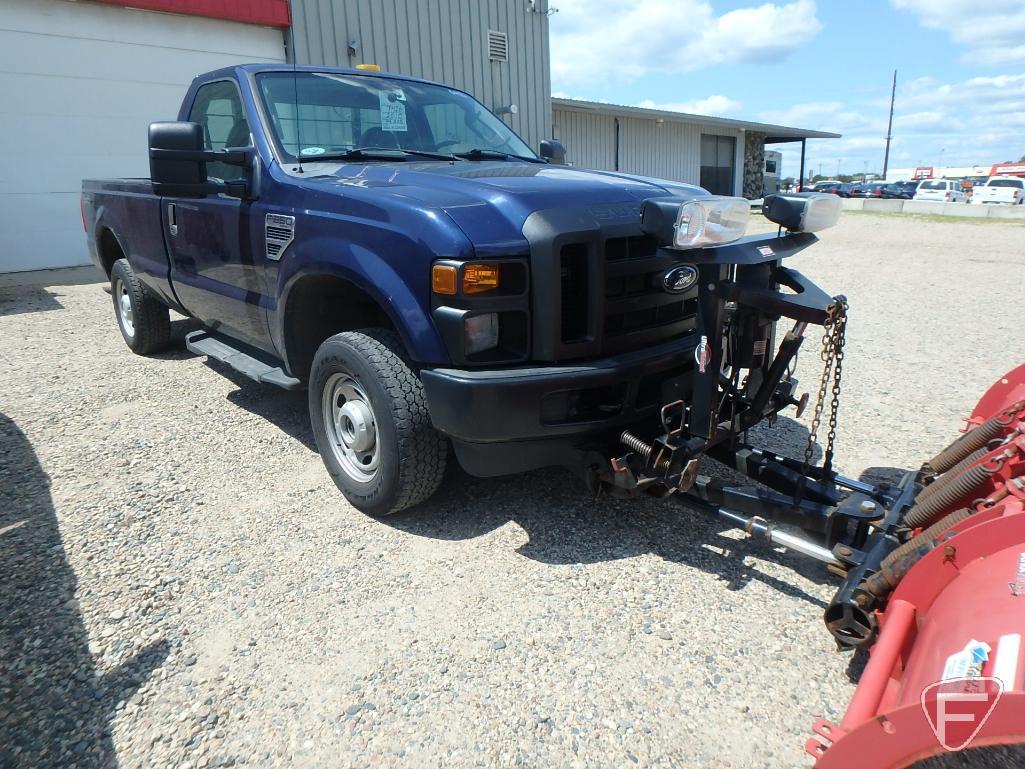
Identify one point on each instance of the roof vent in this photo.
(498, 46)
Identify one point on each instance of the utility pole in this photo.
(889, 126)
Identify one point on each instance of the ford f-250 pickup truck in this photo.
(397, 249)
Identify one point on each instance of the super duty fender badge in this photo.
(279, 230)
(702, 355)
(679, 279)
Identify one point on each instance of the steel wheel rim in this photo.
(351, 427)
(123, 301)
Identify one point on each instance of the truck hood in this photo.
(490, 200)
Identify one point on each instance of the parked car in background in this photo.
(843, 189)
(1001, 189)
(870, 190)
(904, 190)
(941, 190)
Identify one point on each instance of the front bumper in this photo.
(558, 402)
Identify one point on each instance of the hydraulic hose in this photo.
(899, 562)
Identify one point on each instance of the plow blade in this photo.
(947, 671)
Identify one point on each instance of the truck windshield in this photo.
(1017, 183)
(320, 114)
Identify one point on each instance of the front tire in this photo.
(371, 424)
(145, 322)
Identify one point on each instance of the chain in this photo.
(832, 355)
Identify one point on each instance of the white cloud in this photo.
(970, 122)
(994, 31)
(717, 106)
(627, 39)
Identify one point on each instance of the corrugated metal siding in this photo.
(443, 40)
(668, 151)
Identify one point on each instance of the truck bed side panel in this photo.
(132, 213)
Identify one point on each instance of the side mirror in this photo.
(177, 162)
(553, 151)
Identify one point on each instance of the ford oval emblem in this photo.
(679, 279)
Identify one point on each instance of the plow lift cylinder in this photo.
(959, 613)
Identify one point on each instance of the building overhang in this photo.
(774, 134)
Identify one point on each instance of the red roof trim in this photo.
(268, 13)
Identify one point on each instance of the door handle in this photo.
(172, 219)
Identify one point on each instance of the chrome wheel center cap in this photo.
(356, 426)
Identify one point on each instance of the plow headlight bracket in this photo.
(803, 211)
(696, 223)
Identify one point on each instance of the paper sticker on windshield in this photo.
(313, 151)
(393, 110)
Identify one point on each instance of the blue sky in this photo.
(824, 65)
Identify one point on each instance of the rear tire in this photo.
(145, 322)
(371, 424)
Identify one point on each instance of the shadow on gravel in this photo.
(24, 299)
(176, 350)
(55, 711)
(566, 526)
(286, 409)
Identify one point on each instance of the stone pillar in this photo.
(754, 164)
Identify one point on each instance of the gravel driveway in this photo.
(182, 585)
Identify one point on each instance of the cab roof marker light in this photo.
(711, 221)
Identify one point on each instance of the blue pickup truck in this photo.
(392, 246)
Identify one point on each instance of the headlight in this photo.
(803, 212)
(711, 222)
(480, 332)
(695, 223)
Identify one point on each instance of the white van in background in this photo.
(941, 191)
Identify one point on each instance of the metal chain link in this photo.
(832, 355)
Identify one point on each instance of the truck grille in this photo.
(624, 306)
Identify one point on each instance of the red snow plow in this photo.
(946, 672)
(932, 565)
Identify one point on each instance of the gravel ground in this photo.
(182, 585)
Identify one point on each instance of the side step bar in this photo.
(202, 342)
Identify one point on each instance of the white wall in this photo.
(80, 83)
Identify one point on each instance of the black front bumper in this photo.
(558, 402)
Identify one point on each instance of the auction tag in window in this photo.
(393, 110)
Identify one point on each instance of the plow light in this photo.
(711, 222)
(697, 223)
(803, 211)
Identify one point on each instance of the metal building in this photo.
(496, 50)
(724, 156)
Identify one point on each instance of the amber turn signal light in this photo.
(478, 278)
(443, 279)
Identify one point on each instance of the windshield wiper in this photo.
(377, 153)
(481, 154)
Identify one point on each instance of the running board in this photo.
(204, 343)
